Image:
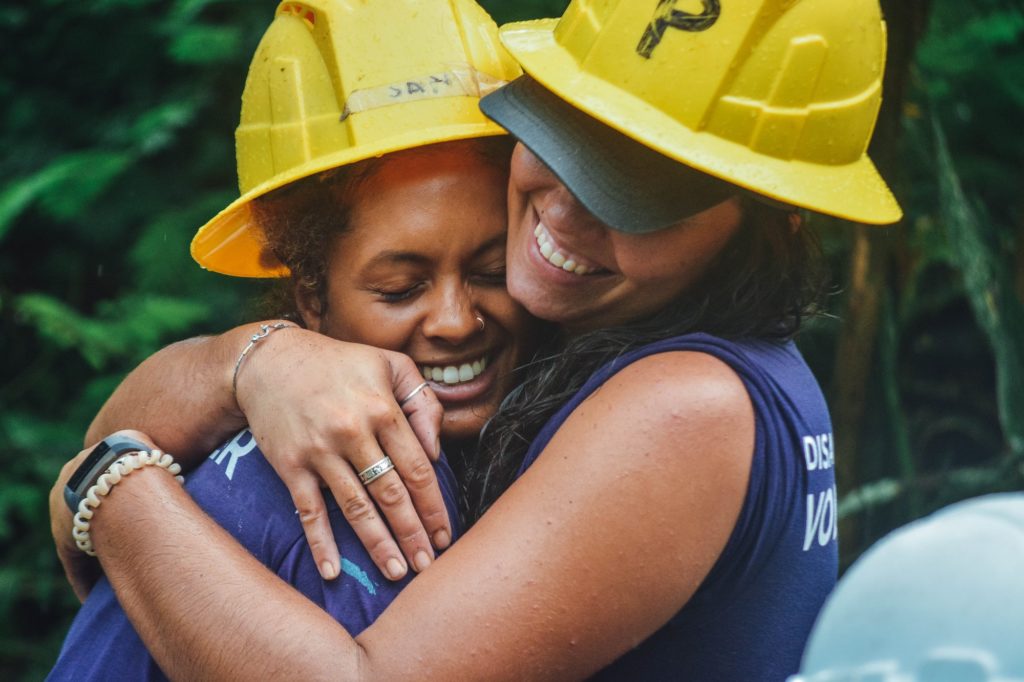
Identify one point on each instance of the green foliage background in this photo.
(117, 124)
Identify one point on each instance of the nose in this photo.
(560, 207)
(564, 213)
(452, 316)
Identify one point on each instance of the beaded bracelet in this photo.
(118, 470)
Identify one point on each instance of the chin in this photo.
(463, 424)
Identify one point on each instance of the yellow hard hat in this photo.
(779, 97)
(334, 82)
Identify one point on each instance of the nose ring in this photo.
(480, 319)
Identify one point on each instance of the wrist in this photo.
(262, 341)
(128, 467)
(230, 345)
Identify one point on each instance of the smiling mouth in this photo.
(454, 374)
(560, 257)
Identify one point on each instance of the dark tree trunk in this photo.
(870, 257)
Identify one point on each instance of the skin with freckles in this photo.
(629, 276)
(422, 261)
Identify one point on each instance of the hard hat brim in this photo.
(232, 242)
(854, 191)
(626, 185)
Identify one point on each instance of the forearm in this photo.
(553, 583)
(181, 396)
(218, 614)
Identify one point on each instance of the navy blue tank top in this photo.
(750, 618)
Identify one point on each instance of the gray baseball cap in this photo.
(625, 184)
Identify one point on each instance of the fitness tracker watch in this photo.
(96, 464)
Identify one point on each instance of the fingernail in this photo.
(421, 561)
(437, 447)
(328, 571)
(395, 568)
(442, 539)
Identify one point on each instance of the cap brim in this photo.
(625, 184)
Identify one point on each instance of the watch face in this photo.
(82, 473)
(100, 458)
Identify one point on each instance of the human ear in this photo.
(796, 221)
(310, 306)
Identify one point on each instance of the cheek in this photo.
(681, 257)
(527, 174)
(358, 320)
(655, 265)
(513, 319)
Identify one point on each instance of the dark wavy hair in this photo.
(764, 284)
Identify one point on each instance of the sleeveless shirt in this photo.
(751, 616)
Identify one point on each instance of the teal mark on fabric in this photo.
(350, 569)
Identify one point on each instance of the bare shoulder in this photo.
(676, 401)
(687, 376)
(604, 537)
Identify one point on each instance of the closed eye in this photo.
(495, 277)
(398, 295)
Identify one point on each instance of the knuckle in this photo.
(297, 457)
(358, 509)
(402, 362)
(316, 543)
(433, 408)
(414, 540)
(380, 411)
(345, 427)
(391, 494)
(381, 550)
(435, 519)
(420, 475)
(310, 514)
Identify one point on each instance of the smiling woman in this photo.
(394, 239)
(644, 508)
(411, 257)
(625, 276)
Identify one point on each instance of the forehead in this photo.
(451, 199)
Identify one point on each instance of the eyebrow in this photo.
(399, 257)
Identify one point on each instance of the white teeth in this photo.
(555, 257)
(455, 374)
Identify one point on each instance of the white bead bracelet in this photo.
(118, 470)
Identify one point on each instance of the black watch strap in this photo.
(99, 460)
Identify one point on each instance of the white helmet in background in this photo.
(939, 600)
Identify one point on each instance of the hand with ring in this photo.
(322, 410)
(344, 417)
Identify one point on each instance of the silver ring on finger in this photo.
(412, 394)
(376, 470)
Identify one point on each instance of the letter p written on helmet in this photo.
(335, 82)
(778, 97)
